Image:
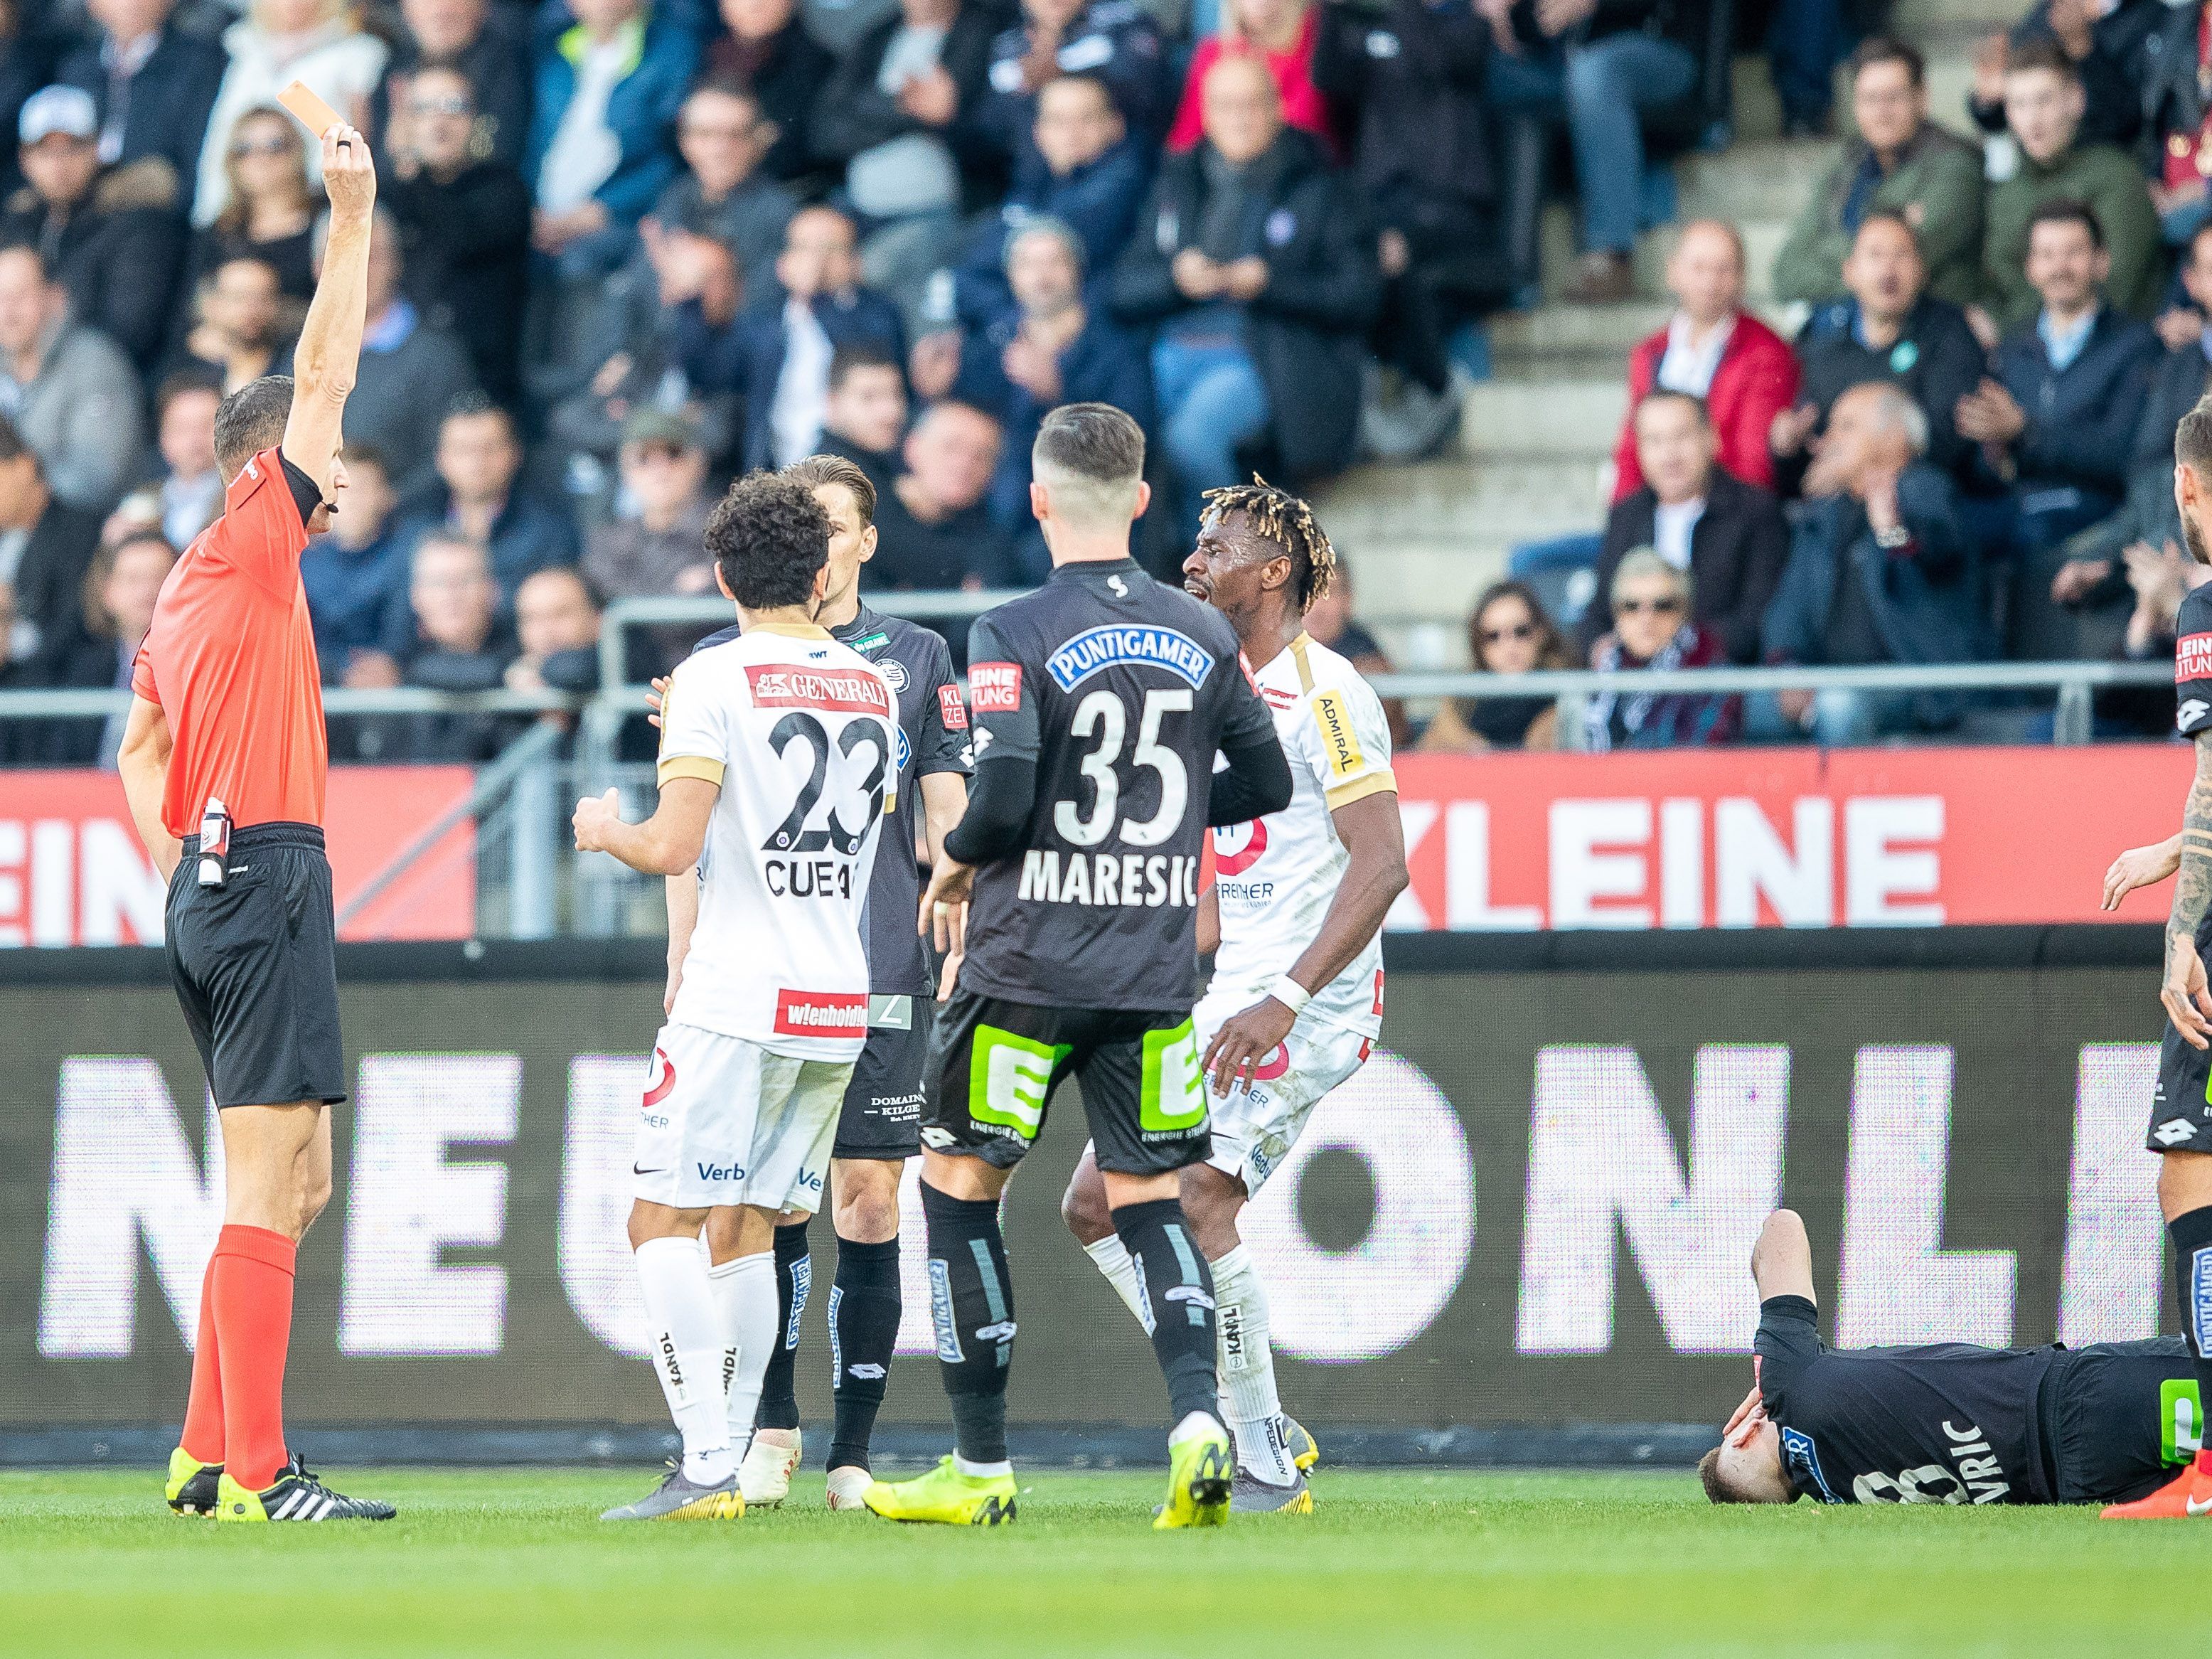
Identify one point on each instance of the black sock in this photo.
(971, 1306)
(864, 1322)
(1177, 1290)
(794, 1277)
(2191, 1235)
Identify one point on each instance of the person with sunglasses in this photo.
(1507, 632)
(464, 215)
(269, 213)
(1652, 629)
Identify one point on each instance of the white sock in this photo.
(1246, 1368)
(687, 1352)
(980, 1471)
(1114, 1260)
(746, 1305)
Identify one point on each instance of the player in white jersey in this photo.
(778, 763)
(1295, 915)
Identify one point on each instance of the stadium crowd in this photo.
(628, 249)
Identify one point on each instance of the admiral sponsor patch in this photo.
(995, 687)
(837, 690)
(2192, 657)
(1126, 644)
(1337, 741)
(951, 710)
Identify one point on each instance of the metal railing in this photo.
(519, 800)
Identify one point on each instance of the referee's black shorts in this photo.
(255, 964)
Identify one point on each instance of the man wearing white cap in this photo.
(112, 236)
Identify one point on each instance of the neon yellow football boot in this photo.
(192, 1485)
(1200, 1468)
(1298, 1440)
(945, 1497)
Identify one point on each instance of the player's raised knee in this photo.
(1082, 1205)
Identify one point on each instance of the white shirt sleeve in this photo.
(1346, 728)
(695, 735)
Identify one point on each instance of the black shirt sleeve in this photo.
(305, 492)
(1258, 782)
(945, 732)
(1788, 1342)
(2192, 665)
(1003, 697)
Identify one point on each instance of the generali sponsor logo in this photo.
(838, 690)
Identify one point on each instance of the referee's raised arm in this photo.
(327, 358)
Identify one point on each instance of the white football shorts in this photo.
(724, 1121)
(1254, 1128)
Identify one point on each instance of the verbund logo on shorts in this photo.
(845, 691)
(2192, 657)
(822, 1013)
(996, 688)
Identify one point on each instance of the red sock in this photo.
(253, 1297)
(204, 1437)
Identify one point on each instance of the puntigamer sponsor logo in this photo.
(1128, 645)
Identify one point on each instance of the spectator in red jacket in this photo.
(1282, 32)
(1715, 350)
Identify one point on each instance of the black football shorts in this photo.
(994, 1065)
(2181, 1107)
(882, 1116)
(255, 965)
(2111, 1412)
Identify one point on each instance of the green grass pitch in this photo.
(513, 1562)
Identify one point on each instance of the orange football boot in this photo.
(2189, 1493)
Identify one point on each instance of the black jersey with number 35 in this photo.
(1122, 689)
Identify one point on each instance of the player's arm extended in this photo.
(666, 844)
(2142, 866)
(327, 358)
(683, 918)
(144, 764)
(1782, 1260)
(2188, 1003)
(944, 800)
(1374, 875)
(1255, 783)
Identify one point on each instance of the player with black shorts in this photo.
(1100, 702)
(223, 761)
(1945, 1422)
(2181, 1108)
(880, 1125)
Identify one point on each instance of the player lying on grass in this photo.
(879, 1126)
(1296, 912)
(778, 760)
(1945, 1422)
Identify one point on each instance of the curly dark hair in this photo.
(768, 536)
(1278, 517)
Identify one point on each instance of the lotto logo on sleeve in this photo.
(995, 687)
(951, 710)
(822, 1013)
(2192, 657)
(837, 691)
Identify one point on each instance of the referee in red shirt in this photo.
(223, 761)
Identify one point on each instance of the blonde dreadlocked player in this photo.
(1296, 913)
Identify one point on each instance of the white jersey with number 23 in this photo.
(797, 730)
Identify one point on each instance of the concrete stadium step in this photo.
(1921, 21)
(1752, 179)
(1456, 502)
(1547, 420)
